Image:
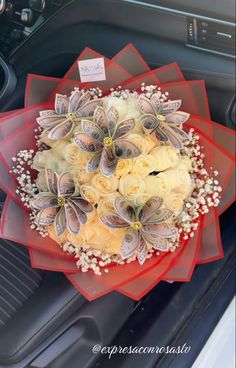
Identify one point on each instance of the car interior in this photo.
(44, 321)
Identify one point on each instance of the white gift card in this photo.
(92, 70)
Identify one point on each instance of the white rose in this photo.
(143, 165)
(123, 167)
(105, 184)
(157, 185)
(142, 141)
(179, 180)
(185, 160)
(80, 176)
(165, 157)
(174, 202)
(106, 204)
(72, 153)
(131, 186)
(90, 193)
(58, 149)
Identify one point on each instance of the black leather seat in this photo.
(41, 313)
(18, 281)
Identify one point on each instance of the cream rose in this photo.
(164, 157)
(174, 202)
(123, 167)
(131, 186)
(106, 204)
(179, 180)
(143, 165)
(72, 153)
(187, 162)
(59, 148)
(83, 160)
(90, 193)
(157, 185)
(80, 176)
(48, 159)
(105, 184)
(143, 142)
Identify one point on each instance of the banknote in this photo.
(46, 216)
(61, 104)
(170, 106)
(72, 221)
(88, 143)
(164, 230)
(50, 121)
(100, 118)
(74, 101)
(156, 241)
(142, 251)
(66, 185)
(149, 122)
(112, 119)
(130, 243)
(108, 162)
(123, 127)
(146, 105)
(61, 130)
(161, 134)
(125, 149)
(82, 203)
(124, 209)
(51, 178)
(159, 216)
(45, 113)
(114, 221)
(60, 222)
(92, 130)
(178, 118)
(175, 139)
(93, 163)
(84, 98)
(155, 100)
(44, 202)
(82, 217)
(150, 207)
(88, 108)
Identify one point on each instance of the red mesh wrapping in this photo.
(165, 74)
(4, 114)
(17, 118)
(141, 285)
(169, 73)
(130, 59)
(133, 280)
(183, 266)
(211, 245)
(51, 262)
(218, 157)
(193, 95)
(39, 89)
(15, 226)
(66, 86)
(93, 286)
(14, 136)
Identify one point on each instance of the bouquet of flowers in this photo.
(115, 174)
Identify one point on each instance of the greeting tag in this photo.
(92, 70)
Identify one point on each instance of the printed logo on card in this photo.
(92, 70)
